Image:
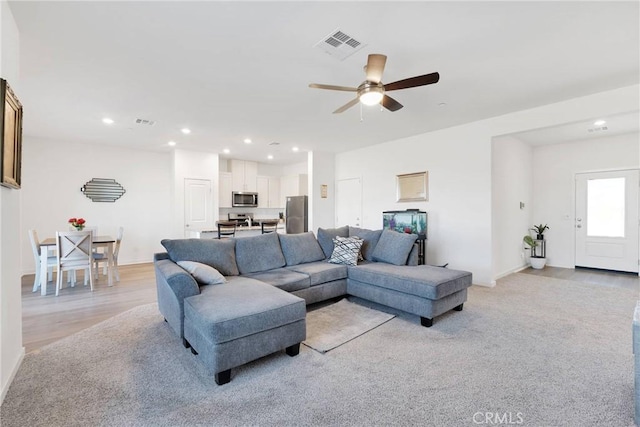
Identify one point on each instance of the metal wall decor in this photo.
(103, 190)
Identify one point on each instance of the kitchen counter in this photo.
(244, 231)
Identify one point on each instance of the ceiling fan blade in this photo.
(427, 79)
(347, 106)
(390, 104)
(332, 87)
(375, 67)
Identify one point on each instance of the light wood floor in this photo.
(46, 319)
(49, 318)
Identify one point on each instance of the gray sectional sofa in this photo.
(260, 286)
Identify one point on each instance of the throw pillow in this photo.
(370, 238)
(346, 250)
(300, 248)
(203, 273)
(326, 235)
(394, 247)
(219, 254)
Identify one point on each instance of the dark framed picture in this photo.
(10, 137)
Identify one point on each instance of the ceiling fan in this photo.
(372, 91)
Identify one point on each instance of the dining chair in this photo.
(51, 260)
(226, 229)
(269, 226)
(99, 257)
(74, 253)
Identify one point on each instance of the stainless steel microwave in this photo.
(244, 199)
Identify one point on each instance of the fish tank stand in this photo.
(410, 221)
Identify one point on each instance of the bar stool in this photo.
(269, 226)
(226, 229)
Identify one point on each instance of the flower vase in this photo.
(79, 227)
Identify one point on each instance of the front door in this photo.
(197, 205)
(607, 220)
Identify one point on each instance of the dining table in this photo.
(97, 241)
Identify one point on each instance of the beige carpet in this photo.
(545, 351)
(333, 325)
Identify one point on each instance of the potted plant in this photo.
(540, 229)
(537, 261)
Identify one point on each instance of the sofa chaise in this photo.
(235, 300)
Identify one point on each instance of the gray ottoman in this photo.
(242, 320)
(422, 290)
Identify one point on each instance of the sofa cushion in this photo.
(320, 272)
(394, 247)
(326, 235)
(259, 253)
(300, 248)
(219, 254)
(203, 273)
(346, 250)
(370, 238)
(283, 278)
(422, 280)
(241, 307)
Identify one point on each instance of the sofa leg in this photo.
(223, 377)
(293, 350)
(458, 308)
(165, 319)
(185, 343)
(426, 322)
(193, 351)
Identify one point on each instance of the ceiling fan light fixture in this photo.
(371, 95)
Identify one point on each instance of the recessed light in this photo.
(226, 151)
(442, 104)
(270, 157)
(186, 131)
(107, 121)
(599, 122)
(295, 149)
(247, 141)
(171, 143)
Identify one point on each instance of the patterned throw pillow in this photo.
(346, 250)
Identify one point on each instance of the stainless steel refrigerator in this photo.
(296, 215)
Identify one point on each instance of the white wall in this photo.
(321, 172)
(459, 163)
(11, 349)
(555, 167)
(196, 165)
(512, 183)
(53, 173)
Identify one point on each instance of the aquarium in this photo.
(411, 221)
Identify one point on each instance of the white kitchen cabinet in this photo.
(269, 192)
(292, 185)
(244, 175)
(226, 188)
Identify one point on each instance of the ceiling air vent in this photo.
(339, 45)
(274, 143)
(145, 122)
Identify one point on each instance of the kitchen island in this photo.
(241, 231)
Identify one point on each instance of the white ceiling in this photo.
(231, 70)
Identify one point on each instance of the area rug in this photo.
(336, 324)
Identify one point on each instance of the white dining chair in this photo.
(74, 253)
(71, 276)
(101, 257)
(51, 260)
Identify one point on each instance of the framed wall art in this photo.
(10, 137)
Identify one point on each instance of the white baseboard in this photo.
(14, 371)
(506, 273)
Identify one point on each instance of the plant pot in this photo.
(540, 237)
(538, 263)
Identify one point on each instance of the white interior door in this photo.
(607, 220)
(197, 205)
(348, 202)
